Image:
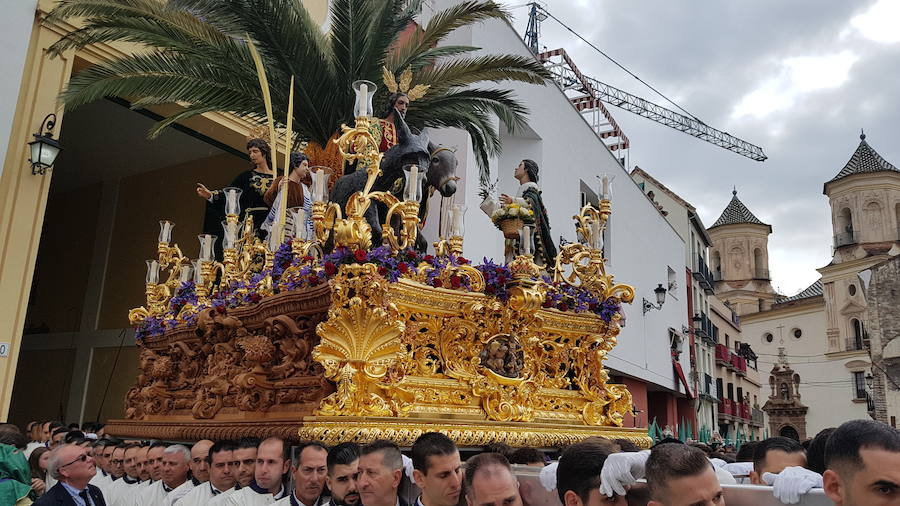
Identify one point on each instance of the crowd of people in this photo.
(855, 464)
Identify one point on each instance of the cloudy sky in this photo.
(799, 78)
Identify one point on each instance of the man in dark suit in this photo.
(73, 467)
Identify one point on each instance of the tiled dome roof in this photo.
(736, 213)
(865, 159)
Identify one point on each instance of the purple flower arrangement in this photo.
(291, 272)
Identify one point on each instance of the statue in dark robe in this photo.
(529, 194)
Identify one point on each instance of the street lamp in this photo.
(870, 380)
(660, 299)
(44, 148)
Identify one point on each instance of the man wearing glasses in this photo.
(73, 467)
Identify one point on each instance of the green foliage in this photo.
(194, 53)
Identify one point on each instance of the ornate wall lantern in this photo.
(44, 148)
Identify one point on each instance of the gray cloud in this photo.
(708, 56)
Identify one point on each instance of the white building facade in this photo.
(641, 247)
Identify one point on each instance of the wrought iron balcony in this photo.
(702, 274)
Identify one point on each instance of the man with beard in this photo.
(343, 474)
(221, 456)
(309, 476)
(437, 470)
(242, 468)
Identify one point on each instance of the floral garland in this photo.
(290, 272)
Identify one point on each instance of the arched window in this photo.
(789, 432)
(759, 265)
(717, 259)
(843, 233)
(897, 219)
(858, 334)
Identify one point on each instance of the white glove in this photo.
(741, 469)
(548, 476)
(717, 462)
(407, 466)
(790, 484)
(621, 470)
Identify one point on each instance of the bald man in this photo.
(199, 471)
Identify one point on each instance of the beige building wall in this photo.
(826, 380)
(739, 260)
(731, 335)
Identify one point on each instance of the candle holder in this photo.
(232, 202)
(365, 92)
(168, 255)
(157, 294)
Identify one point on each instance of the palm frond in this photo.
(442, 24)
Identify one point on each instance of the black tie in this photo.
(84, 496)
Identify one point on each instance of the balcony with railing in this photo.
(702, 274)
(743, 411)
(756, 417)
(738, 364)
(727, 409)
(722, 355)
(845, 238)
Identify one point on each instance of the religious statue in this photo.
(528, 196)
(385, 130)
(253, 183)
(298, 186)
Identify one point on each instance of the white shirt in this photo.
(246, 496)
(123, 493)
(153, 495)
(490, 204)
(219, 500)
(201, 495)
(179, 492)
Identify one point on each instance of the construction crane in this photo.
(593, 93)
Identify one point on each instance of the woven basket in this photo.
(511, 227)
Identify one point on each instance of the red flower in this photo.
(360, 255)
(548, 303)
(490, 290)
(254, 298)
(428, 258)
(501, 280)
(498, 270)
(382, 270)
(330, 269)
(563, 306)
(308, 258)
(462, 260)
(220, 309)
(455, 281)
(285, 264)
(403, 268)
(313, 280)
(437, 283)
(592, 306)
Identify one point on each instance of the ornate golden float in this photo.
(376, 342)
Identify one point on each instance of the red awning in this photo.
(680, 371)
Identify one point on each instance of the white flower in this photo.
(513, 211)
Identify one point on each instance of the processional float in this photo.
(328, 336)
